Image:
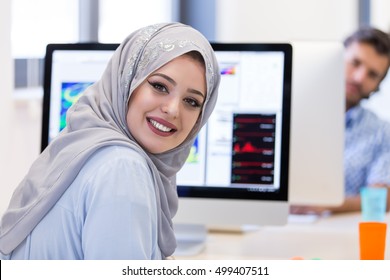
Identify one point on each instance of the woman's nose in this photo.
(171, 107)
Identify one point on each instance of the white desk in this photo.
(331, 238)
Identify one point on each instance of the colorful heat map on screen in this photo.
(228, 69)
(70, 93)
(193, 157)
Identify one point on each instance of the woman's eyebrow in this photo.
(197, 92)
(172, 81)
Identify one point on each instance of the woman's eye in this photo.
(159, 87)
(192, 102)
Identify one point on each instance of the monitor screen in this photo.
(237, 171)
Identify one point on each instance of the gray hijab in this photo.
(98, 119)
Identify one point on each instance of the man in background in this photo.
(367, 138)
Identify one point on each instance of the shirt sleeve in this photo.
(119, 211)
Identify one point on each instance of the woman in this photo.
(105, 187)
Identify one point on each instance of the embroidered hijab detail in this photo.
(153, 52)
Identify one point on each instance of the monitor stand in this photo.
(191, 238)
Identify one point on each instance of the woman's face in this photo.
(165, 107)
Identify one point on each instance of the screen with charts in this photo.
(242, 152)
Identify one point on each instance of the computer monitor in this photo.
(237, 172)
(316, 175)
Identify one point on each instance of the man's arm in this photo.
(350, 204)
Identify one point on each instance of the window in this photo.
(118, 18)
(36, 23)
(40, 22)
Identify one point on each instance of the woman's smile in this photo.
(161, 127)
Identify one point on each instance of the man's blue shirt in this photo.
(367, 150)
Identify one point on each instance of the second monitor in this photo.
(316, 175)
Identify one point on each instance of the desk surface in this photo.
(334, 237)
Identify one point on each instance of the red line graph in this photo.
(249, 148)
(253, 171)
(253, 164)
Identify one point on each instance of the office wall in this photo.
(285, 20)
(380, 15)
(6, 79)
(20, 118)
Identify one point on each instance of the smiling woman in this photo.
(105, 187)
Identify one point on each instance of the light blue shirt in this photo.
(367, 150)
(108, 212)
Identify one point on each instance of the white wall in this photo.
(380, 14)
(20, 119)
(20, 142)
(285, 20)
(6, 78)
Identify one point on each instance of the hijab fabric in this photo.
(98, 119)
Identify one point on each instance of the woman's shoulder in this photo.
(114, 163)
(110, 171)
(116, 153)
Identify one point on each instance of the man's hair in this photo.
(372, 36)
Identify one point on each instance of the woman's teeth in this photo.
(159, 126)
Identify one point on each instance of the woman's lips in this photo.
(161, 127)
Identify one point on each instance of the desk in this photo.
(334, 237)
